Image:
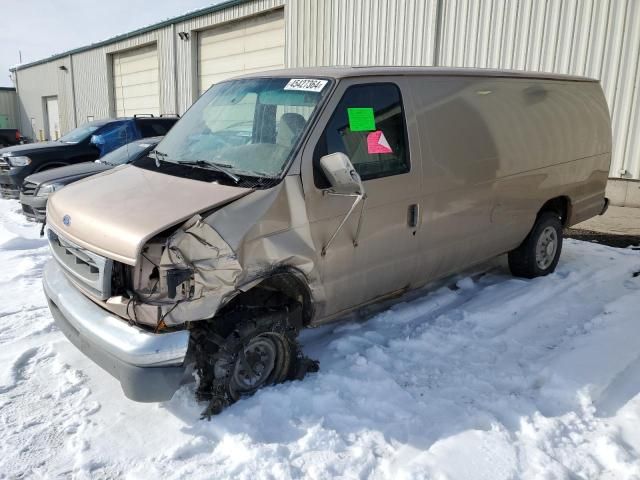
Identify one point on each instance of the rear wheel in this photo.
(538, 255)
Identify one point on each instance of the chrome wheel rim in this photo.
(255, 364)
(546, 248)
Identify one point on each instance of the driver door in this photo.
(367, 121)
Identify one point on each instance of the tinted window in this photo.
(368, 125)
(114, 135)
(155, 128)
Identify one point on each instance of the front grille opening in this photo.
(29, 188)
(121, 282)
(91, 270)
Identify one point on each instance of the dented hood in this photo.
(116, 212)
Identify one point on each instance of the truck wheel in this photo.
(234, 358)
(265, 359)
(538, 255)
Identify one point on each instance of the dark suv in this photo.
(86, 143)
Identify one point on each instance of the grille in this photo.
(4, 165)
(33, 211)
(29, 188)
(89, 269)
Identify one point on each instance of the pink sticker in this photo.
(377, 143)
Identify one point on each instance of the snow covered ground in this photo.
(493, 378)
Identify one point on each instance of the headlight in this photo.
(45, 190)
(18, 161)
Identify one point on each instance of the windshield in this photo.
(127, 153)
(81, 133)
(247, 126)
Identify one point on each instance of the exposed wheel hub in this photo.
(254, 364)
(258, 351)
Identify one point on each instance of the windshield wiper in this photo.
(220, 167)
(159, 156)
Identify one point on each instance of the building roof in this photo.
(347, 72)
(7, 89)
(139, 31)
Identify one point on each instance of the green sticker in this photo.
(361, 119)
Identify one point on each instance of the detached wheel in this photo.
(538, 255)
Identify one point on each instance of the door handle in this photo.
(413, 215)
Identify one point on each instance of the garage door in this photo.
(135, 82)
(246, 46)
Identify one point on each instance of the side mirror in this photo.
(341, 174)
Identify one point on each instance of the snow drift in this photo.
(490, 377)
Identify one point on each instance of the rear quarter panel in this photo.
(494, 150)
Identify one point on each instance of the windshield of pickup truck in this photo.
(80, 134)
(244, 127)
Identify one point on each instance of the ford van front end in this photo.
(147, 257)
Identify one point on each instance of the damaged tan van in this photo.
(287, 199)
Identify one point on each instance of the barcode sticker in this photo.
(306, 84)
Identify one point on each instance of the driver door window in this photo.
(377, 146)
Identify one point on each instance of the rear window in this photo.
(155, 128)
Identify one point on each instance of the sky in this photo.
(41, 28)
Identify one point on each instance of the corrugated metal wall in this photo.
(595, 38)
(37, 82)
(9, 106)
(91, 95)
(186, 51)
(361, 32)
(92, 71)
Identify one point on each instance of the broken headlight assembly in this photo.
(150, 281)
(176, 277)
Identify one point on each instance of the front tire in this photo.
(235, 356)
(539, 253)
(266, 359)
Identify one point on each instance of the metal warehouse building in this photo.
(165, 67)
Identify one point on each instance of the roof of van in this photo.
(346, 72)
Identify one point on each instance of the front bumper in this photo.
(150, 367)
(10, 182)
(35, 208)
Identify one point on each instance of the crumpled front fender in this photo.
(215, 267)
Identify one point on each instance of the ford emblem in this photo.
(66, 220)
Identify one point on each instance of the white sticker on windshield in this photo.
(306, 84)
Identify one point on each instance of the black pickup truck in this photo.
(84, 144)
(10, 136)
